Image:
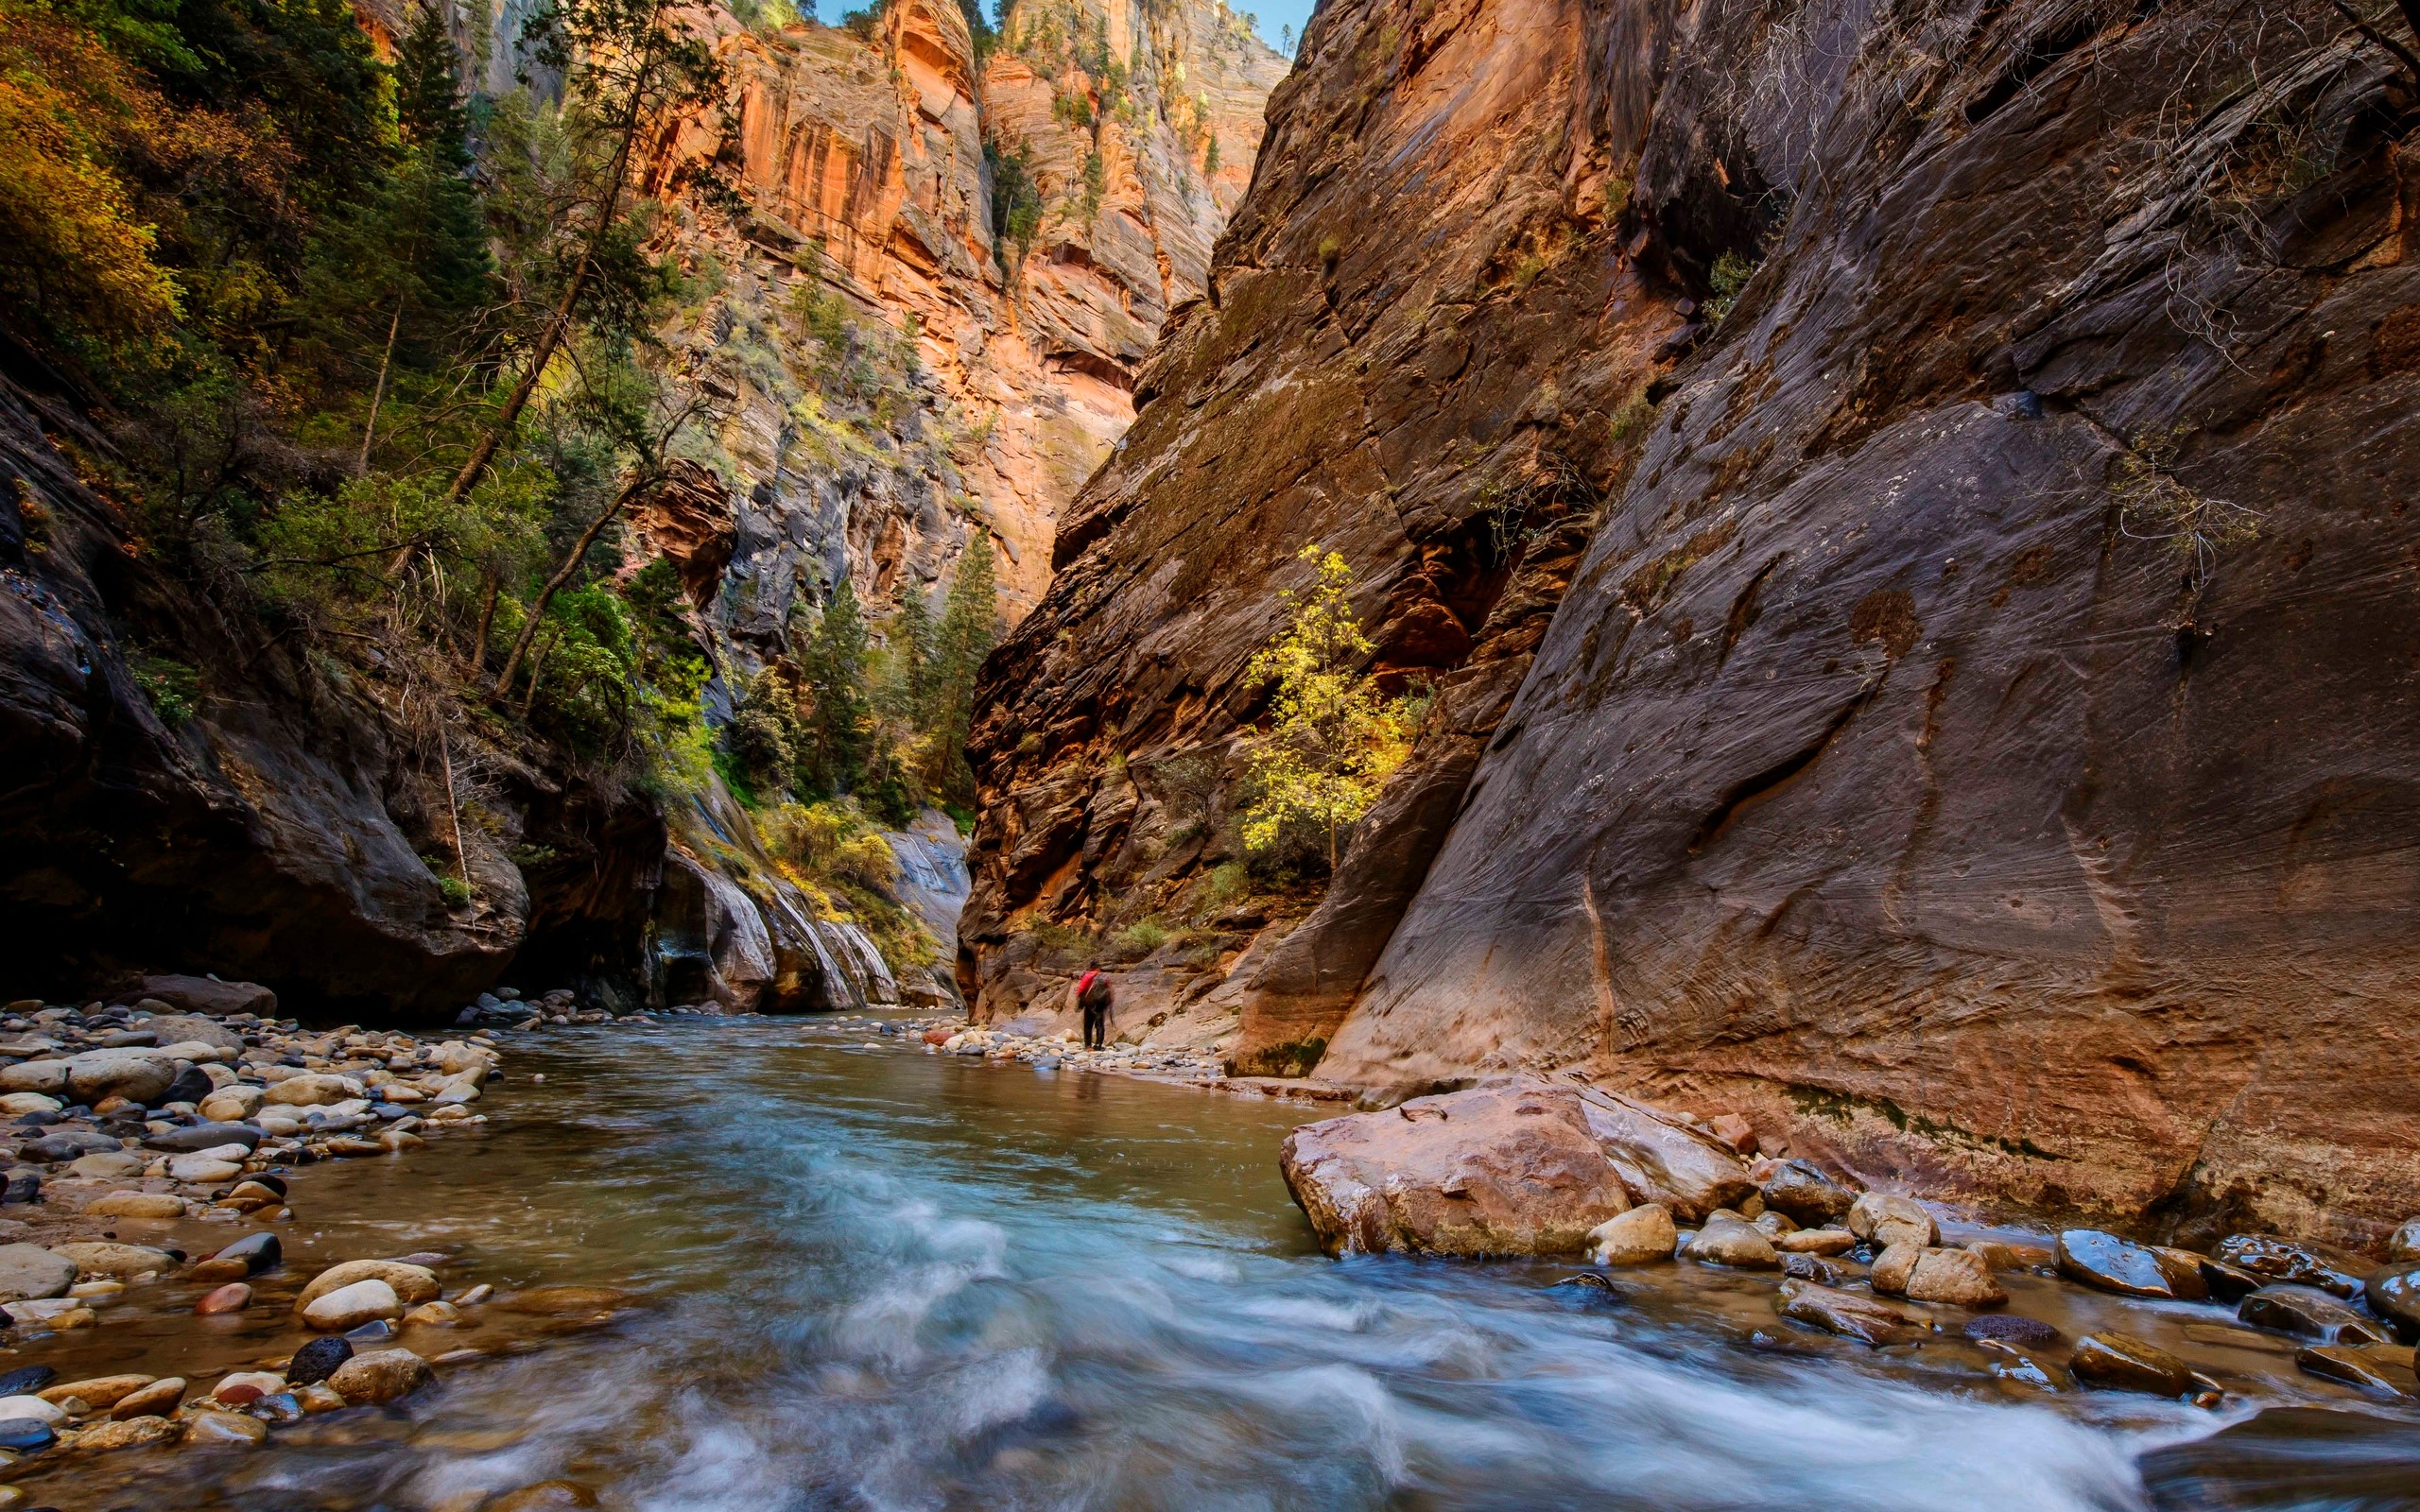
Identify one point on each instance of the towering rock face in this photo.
(862, 162)
(1978, 743)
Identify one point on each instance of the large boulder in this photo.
(1510, 1168)
(206, 995)
(1663, 1159)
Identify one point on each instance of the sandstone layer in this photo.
(1978, 745)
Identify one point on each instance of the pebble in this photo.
(382, 1375)
(128, 1434)
(2011, 1327)
(159, 1397)
(412, 1284)
(97, 1393)
(247, 1386)
(316, 1360)
(23, 1435)
(369, 1299)
(224, 1429)
(435, 1315)
(150, 1205)
(232, 1297)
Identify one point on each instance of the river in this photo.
(871, 1278)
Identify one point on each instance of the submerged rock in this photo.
(2280, 1260)
(2382, 1370)
(2307, 1312)
(2120, 1362)
(1867, 1319)
(2011, 1327)
(1511, 1168)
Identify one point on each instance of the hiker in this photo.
(1093, 996)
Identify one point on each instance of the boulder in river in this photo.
(2109, 1264)
(1729, 1240)
(1956, 1277)
(207, 995)
(2380, 1369)
(1662, 1158)
(1798, 1190)
(2307, 1312)
(2120, 1362)
(1851, 1315)
(2394, 1294)
(1508, 1168)
(1883, 1219)
(2280, 1260)
(1639, 1237)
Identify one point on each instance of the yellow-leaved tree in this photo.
(1332, 739)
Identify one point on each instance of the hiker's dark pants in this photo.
(1095, 1028)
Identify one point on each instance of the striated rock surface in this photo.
(1977, 742)
(1506, 1169)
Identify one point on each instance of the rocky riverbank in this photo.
(1527, 1166)
(138, 1125)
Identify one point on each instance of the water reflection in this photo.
(883, 1279)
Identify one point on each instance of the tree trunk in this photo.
(578, 554)
(558, 324)
(378, 395)
(487, 620)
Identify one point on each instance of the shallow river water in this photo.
(871, 1278)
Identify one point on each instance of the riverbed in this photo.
(867, 1277)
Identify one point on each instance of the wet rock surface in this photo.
(1506, 1169)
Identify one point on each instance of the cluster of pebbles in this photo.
(120, 1115)
(952, 1036)
(1851, 1259)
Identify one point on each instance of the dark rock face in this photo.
(275, 832)
(1894, 772)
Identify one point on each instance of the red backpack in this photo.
(1085, 985)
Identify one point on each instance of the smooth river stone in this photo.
(2114, 1264)
(1851, 1315)
(31, 1271)
(223, 1429)
(2279, 1259)
(2394, 1294)
(122, 1261)
(1956, 1277)
(2380, 1369)
(1815, 1241)
(98, 1392)
(151, 1204)
(2120, 1362)
(382, 1375)
(1883, 1219)
(2307, 1312)
(413, 1285)
(1730, 1242)
(349, 1307)
(159, 1397)
(232, 1297)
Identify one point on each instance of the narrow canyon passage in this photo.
(866, 1277)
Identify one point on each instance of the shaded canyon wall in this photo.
(1979, 742)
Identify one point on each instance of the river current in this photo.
(871, 1278)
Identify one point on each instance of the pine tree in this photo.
(837, 731)
(969, 626)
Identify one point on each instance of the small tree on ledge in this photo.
(1332, 742)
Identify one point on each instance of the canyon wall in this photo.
(1979, 742)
